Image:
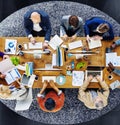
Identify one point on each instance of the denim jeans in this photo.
(117, 71)
(117, 42)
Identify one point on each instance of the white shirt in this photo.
(36, 27)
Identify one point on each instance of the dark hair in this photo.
(50, 104)
(73, 20)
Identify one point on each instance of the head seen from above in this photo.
(99, 103)
(102, 28)
(73, 21)
(35, 17)
(50, 104)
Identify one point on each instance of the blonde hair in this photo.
(103, 27)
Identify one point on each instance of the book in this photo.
(94, 43)
(55, 42)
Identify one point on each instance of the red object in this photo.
(59, 101)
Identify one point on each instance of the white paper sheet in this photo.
(24, 104)
(94, 43)
(37, 45)
(55, 41)
(75, 44)
(77, 78)
(113, 58)
(10, 44)
(48, 78)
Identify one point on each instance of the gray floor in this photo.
(112, 118)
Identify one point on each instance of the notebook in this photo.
(94, 43)
(94, 71)
(75, 44)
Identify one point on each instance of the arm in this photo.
(105, 88)
(48, 27)
(27, 24)
(116, 71)
(80, 30)
(1, 54)
(62, 26)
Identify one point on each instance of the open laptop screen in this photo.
(94, 71)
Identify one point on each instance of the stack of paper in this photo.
(75, 44)
(55, 42)
(94, 43)
(77, 78)
(24, 104)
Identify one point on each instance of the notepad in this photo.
(94, 43)
(75, 44)
(35, 46)
(55, 42)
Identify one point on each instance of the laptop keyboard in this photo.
(94, 73)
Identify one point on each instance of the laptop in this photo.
(94, 71)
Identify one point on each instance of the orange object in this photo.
(59, 101)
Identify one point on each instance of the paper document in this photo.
(35, 46)
(113, 58)
(55, 42)
(9, 70)
(12, 75)
(94, 43)
(77, 78)
(75, 44)
(10, 46)
(48, 78)
(24, 104)
(114, 84)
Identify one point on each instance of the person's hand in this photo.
(5, 57)
(90, 77)
(88, 38)
(98, 78)
(73, 37)
(2, 76)
(97, 37)
(45, 45)
(32, 40)
(65, 37)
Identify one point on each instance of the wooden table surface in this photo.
(93, 60)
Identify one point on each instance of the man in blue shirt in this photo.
(37, 23)
(98, 28)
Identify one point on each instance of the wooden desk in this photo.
(94, 60)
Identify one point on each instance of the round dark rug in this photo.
(73, 111)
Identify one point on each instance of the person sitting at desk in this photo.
(37, 23)
(92, 98)
(4, 57)
(71, 26)
(13, 93)
(51, 101)
(98, 28)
